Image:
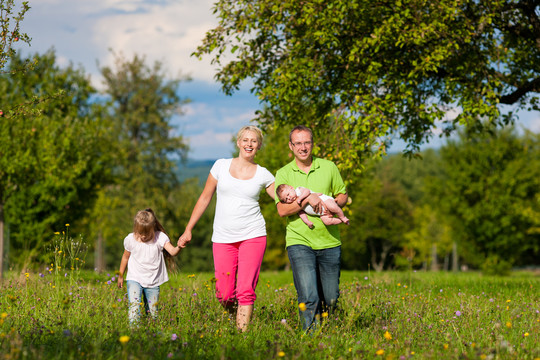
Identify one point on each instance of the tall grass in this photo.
(382, 316)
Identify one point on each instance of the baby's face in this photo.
(288, 195)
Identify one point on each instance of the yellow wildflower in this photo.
(302, 307)
(508, 301)
(324, 314)
(379, 352)
(124, 339)
(509, 324)
(526, 334)
(4, 315)
(445, 346)
(387, 336)
(281, 354)
(67, 225)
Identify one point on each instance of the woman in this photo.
(239, 236)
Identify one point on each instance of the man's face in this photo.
(301, 145)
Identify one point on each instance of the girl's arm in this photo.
(198, 210)
(271, 191)
(173, 250)
(123, 265)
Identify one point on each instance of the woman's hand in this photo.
(184, 239)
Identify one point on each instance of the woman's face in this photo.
(248, 143)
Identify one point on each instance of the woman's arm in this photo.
(123, 265)
(271, 191)
(199, 209)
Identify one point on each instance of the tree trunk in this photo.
(434, 264)
(1, 243)
(100, 254)
(455, 264)
(379, 265)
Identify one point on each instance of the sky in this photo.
(82, 32)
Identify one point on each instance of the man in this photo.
(314, 254)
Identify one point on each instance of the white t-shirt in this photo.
(238, 215)
(308, 209)
(146, 264)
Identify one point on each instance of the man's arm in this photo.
(341, 199)
(290, 209)
(304, 193)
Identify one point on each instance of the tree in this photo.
(10, 31)
(490, 194)
(53, 156)
(360, 71)
(380, 215)
(142, 101)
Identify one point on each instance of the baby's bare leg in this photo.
(330, 220)
(334, 208)
(305, 219)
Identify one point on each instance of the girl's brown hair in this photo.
(145, 226)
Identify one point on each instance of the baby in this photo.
(287, 194)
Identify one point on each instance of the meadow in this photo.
(390, 315)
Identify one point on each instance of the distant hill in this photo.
(195, 169)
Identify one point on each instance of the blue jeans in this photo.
(135, 296)
(316, 278)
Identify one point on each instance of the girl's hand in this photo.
(120, 281)
(184, 239)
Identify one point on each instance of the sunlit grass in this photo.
(382, 316)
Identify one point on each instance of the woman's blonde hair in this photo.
(252, 128)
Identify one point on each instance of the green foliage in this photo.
(359, 72)
(10, 31)
(54, 157)
(380, 214)
(432, 316)
(494, 265)
(141, 101)
(490, 194)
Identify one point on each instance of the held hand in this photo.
(120, 281)
(316, 203)
(184, 239)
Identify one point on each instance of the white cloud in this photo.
(169, 33)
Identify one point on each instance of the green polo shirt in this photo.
(323, 177)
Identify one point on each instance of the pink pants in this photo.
(237, 268)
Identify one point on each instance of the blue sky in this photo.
(83, 31)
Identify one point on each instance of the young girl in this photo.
(143, 255)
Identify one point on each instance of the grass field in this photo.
(392, 315)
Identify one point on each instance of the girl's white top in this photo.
(146, 264)
(238, 215)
